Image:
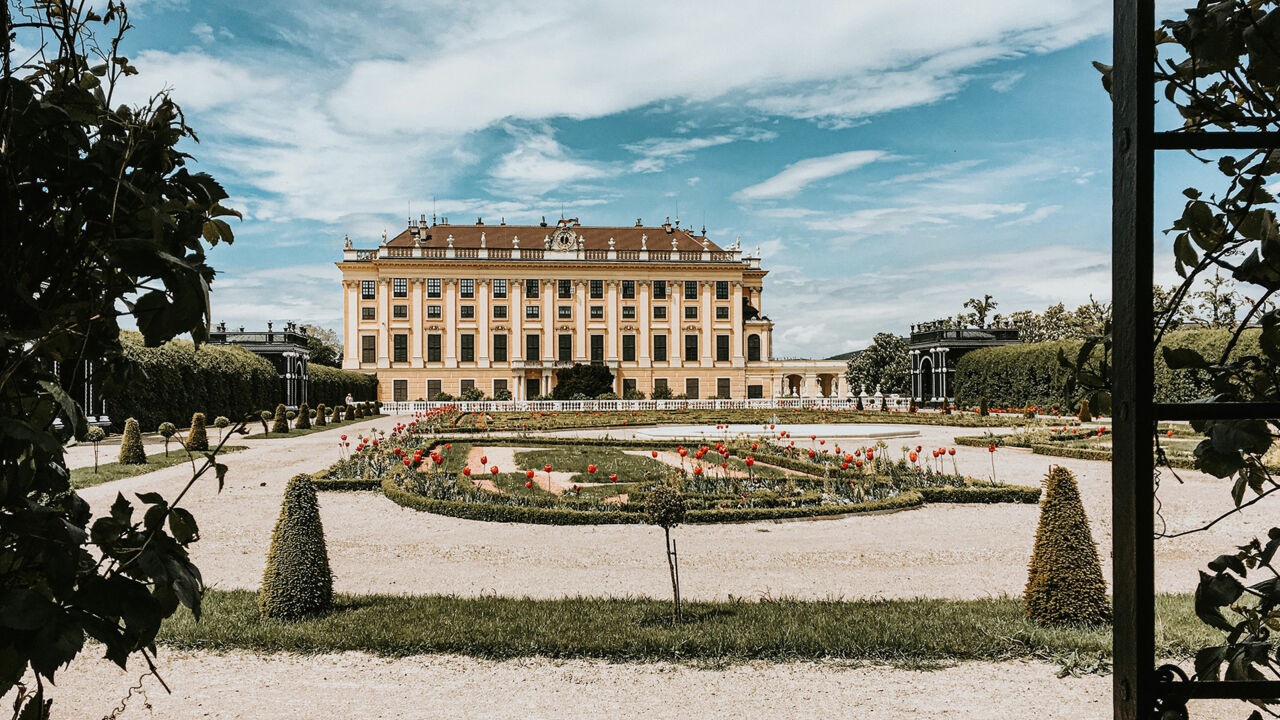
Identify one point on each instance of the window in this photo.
(660, 386)
(531, 312)
(628, 312)
(468, 289)
(369, 348)
(499, 348)
(659, 348)
(564, 289)
(755, 392)
(628, 385)
(433, 389)
(433, 351)
(433, 287)
(722, 312)
(691, 388)
(628, 348)
(690, 348)
(565, 350)
(499, 312)
(465, 385)
(597, 289)
(753, 347)
(690, 289)
(400, 287)
(500, 289)
(467, 312)
(565, 312)
(399, 390)
(499, 385)
(400, 347)
(433, 312)
(690, 312)
(722, 348)
(532, 352)
(628, 289)
(659, 312)
(722, 289)
(400, 311)
(531, 288)
(597, 312)
(659, 289)
(597, 349)
(466, 348)
(368, 313)
(722, 388)
(368, 290)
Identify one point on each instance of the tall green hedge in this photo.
(176, 380)
(330, 385)
(1028, 374)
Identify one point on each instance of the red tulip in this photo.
(683, 452)
(812, 453)
(858, 463)
(529, 474)
(991, 448)
(448, 446)
(919, 448)
(613, 477)
(822, 442)
(750, 461)
(844, 466)
(913, 456)
(754, 446)
(1170, 433)
(591, 468)
(654, 453)
(484, 459)
(770, 427)
(494, 469)
(466, 471)
(407, 462)
(529, 484)
(546, 468)
(870, 456)
(952, 451)
(697, 470)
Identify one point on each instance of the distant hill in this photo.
(845, 356)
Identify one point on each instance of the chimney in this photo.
(638, 223)
(479, 221)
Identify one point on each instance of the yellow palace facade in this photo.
(441, 308)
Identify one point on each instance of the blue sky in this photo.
(888, 164)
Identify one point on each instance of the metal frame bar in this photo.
(1137, 688)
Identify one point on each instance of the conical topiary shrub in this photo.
(281, 423)
(1086, 415)
(1064, 580)
(297, 583)
(304, 417)
(320, 419)
(131, 452)
(355, 412)
(198, 438)
(337, 413)
(983, 410)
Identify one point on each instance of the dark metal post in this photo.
(1132, 458)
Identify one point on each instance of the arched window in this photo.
(753, 347)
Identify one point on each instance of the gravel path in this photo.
(356, 685)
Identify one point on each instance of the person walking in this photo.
(349, 399)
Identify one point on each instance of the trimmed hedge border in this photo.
(345, 484)
(1017, 494)
(557, 516)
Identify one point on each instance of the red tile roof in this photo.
(534, 236)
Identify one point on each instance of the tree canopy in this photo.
(884, 363)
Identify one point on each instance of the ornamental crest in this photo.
(564, 239)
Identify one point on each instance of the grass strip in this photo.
(903, 632)
(84, 477)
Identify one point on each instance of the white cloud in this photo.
(1006, 82)
(656, 153)
(1033, 217)
(805, 172)
(253, 296)
(494, 63)
(901, 219)
(539, 164)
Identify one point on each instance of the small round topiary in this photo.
(1064, 579)
(664, 506)
(298, 582)
(304, 417)
(198, 438)
(290, 415)
(221, 422)
(167, 430)
(281, 424)
(131, 452)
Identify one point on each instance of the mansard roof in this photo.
(537, 236)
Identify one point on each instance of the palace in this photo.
(443, 308)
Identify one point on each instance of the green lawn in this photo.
(901, 632)
(85, 476)
(606, 459)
